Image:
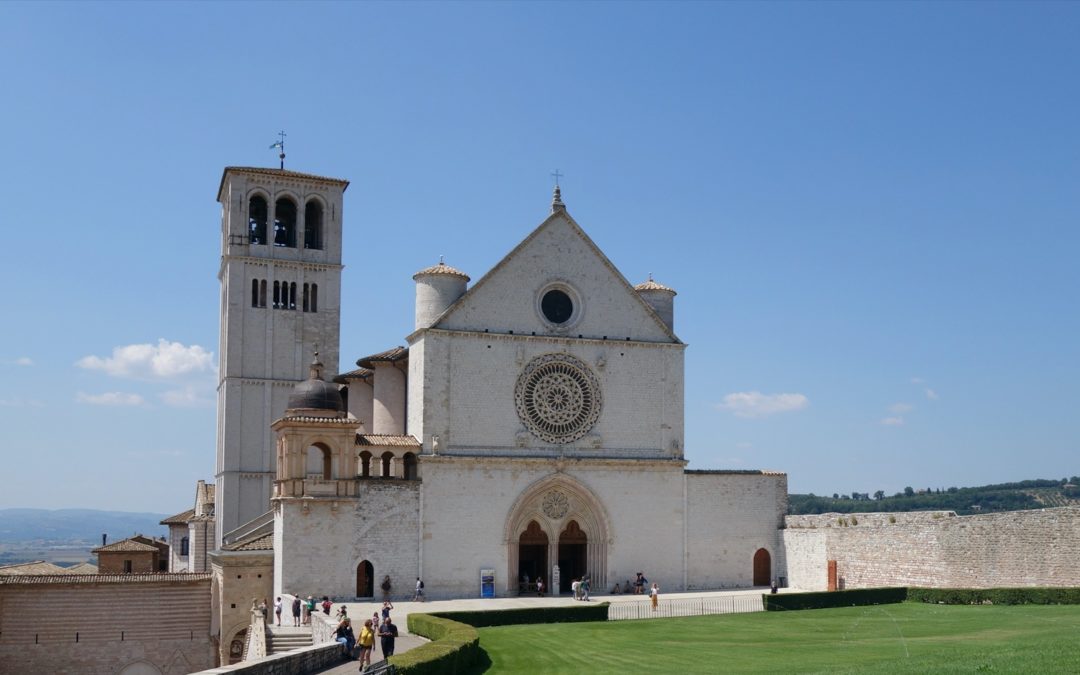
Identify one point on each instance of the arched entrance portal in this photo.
(762, 568)
(564, 514)
(532, 553)
(573, 549)
(365, 580)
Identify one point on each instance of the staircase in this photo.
(286, 638)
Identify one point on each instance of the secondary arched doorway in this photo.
(532, 553)
(573, 555)
(762, 568)
(365, 580)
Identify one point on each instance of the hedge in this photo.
(996, 596)
(453, 649)
(851, 598)
(513, 617)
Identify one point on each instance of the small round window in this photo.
(557, 306)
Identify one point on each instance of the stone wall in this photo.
(730, 515)
(937, 549)
(104, 623)
(239, 578)
(305, 660)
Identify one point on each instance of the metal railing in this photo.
(642, 609)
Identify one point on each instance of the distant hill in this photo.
(69, 525)
(1027, 494)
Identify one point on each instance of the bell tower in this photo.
(280, 280)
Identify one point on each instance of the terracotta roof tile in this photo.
(126, 545)
(263, 542)
(387, 440)
(34, 567)
(280, 173)
(358, 374)
(389, 356)
(81, 568)
(180, 518)
(441, 268)
(651, 285)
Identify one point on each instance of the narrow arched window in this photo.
(285, 223)
(277, 294)
(313, 225)
(262, 293)
(254, 292)
(184, 546)
(314, 297)
(365, 464)
(257, 220)
(409, 461)
(292, 295)
(307, 292)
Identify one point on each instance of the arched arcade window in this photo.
(318, 461)
(410, 465)
(365, 464)
(386, 459)
(285, 223)
(313, 225)
(257, 220)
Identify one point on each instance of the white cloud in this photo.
(24, 361)
(165, 360)
(900, 408)
(893, 421)
(188, 397)
(917, 380)
(931, 394)
(756, 404)
(110, 398)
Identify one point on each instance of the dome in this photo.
(651, 285)
(443, 269)
(315, 393)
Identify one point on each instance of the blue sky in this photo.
(869, 211)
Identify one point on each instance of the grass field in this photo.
(902, 638)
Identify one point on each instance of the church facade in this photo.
(531, 425)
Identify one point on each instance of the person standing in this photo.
(386, 607)
(367, 640)
(654, 595)
(575, 587)
(387, 633)
(296, 611)
(540, 586)
(419, 596)
(386, 588)
(277, 609)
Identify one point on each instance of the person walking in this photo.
(654, 596)
(419, 596)
(540, 586)
(367, 641)
(277, 610)
(296, 611)
(387, 633)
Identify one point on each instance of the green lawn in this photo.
(902, 638)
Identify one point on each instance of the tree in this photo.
(879, 495)
(909, 491)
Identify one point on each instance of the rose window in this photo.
(558, 398)
(555, 505)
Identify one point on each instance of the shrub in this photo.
(852, 598)
(512, 617)
(454, 647)
(996, 596)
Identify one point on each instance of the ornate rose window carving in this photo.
(558, 398)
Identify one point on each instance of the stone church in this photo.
(531, 424)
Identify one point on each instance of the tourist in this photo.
(386, 607)
(367, 640)
(305, 612)
(296, 611)
(386, 586)
(575, 588)
(586, 584)
(326, 605)
(344, 636)
(616, 589)
(342, 612)
(419, 596)
(627, 589)
(387, 632)
(277, 609)
(310, 609)
(654, 596)
(540, 586)
(375, 624)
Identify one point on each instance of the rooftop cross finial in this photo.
(441, 261)
(315, 373)
(280, 145)
(556, 198)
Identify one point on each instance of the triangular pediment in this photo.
(557, 254)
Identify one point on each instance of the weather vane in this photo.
(280, 144)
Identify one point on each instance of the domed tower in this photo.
(660, 298)
(315, 439)
(437, 287)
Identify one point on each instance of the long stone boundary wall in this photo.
(105, 623)
(935, 549)
(303, 660)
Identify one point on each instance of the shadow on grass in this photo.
(482, 665)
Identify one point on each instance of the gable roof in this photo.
(560, 215)
(389, 356)
(33, 567)
(180, 518)
(278, 173)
